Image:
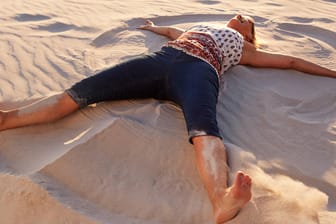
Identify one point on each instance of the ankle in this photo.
(217, 199)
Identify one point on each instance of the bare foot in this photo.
(234, 199)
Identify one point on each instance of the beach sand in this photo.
(130, 162)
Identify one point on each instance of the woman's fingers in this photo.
(148, 24)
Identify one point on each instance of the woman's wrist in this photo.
(152, 28)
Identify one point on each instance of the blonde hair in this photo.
(253, 32)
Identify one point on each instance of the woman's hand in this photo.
(147, 26)
(168, 31)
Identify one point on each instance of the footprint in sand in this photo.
(309, 20)
(30, 17)
(58, 27)
(54, 27)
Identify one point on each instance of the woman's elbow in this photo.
(175, 33)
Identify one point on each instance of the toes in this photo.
(239, 178)
(243, 181)
(249, 181)
(242, 177)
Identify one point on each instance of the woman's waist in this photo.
(208, 52)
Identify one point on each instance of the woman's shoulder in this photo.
(212, 27)
(198, 27)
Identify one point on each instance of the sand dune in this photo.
(130, 161)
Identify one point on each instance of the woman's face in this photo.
(243, 24)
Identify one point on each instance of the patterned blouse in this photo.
(221, 47)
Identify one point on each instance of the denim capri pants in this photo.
(168, 74)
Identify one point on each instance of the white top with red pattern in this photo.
(227, 50)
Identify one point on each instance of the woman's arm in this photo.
(168, 31)
(259, 58)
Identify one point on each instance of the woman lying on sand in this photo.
(186, 71)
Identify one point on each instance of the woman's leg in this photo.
(211, 161)
(141, 77)
(194, 87)
(45, 110)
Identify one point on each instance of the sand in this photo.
(130, 162)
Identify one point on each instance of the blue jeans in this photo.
(168, 74)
